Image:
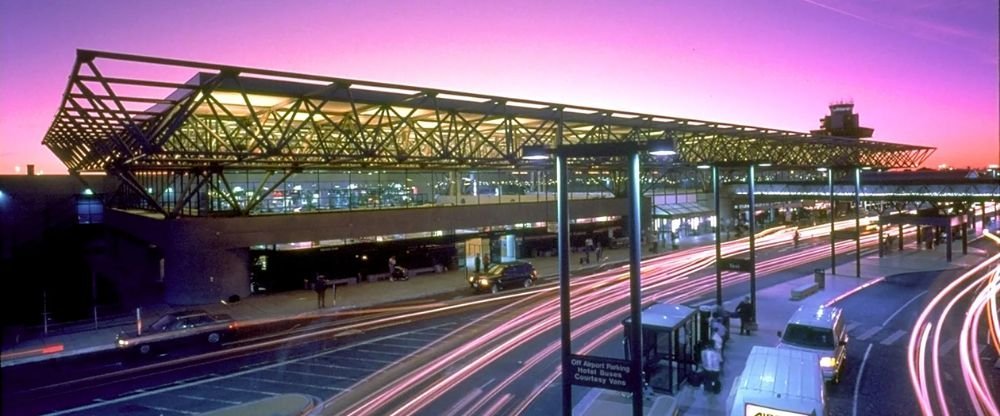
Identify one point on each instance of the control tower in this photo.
(843, 122)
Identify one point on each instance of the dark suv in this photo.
(504, 275)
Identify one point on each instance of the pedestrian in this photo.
(320, 287)
(718, 335)
(796, 238)
(588, 246)
(711, 362)
(745, 311)
(479, 263)
(600, 253)
(392, 265)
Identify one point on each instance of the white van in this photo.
(821, 330)
(779, 382)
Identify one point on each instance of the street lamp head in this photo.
(534, 152)
(660, 147)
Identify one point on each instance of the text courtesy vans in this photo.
(820, 330)
(779, 382)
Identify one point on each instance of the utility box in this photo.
(820, 276)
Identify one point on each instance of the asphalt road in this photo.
(880, 320)
(328, 359)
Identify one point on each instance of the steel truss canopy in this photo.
(138, 113)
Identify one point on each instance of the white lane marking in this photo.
(288, 383)
(210, 380)
(309, 374)
(892, 338)
(903, 307)
(209, 399)
(850, 327)
(266, 393)
(334, 366)
(857, 384)
(367, 359)
(869, 333)
(394, 354)
(948, 346)
(166, 409)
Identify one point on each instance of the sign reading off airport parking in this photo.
(606, 373)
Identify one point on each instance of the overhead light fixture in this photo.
(764, 165)
(704, 166)
(821, 169)
(866, 168)
(534, 152)
(661, 147)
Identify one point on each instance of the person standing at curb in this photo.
(320, 287)
(744, 311)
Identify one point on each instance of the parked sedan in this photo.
(179, 330)
(504, 275)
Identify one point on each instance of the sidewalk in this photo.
(85, 339)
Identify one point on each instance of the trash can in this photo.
(820, 275)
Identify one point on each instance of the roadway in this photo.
(440, 356)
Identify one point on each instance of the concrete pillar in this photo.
(508, 247)
(948, 241)
(202, 274)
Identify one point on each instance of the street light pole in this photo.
(635, 290)
(833, 240)
(718, 238)
(562, 217)
(753, 255)
(857, 221)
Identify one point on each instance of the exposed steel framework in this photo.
(135, 115)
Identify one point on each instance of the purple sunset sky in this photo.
(919, 72)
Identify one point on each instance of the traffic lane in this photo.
(885, 387)
(35, 375)
(460, 394)
(322, 371)
(172, 373)
(502, 386)
(437, 362)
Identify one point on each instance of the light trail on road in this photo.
(663, 278)
(979, 286)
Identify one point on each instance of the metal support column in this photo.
(951, 230)
(635, 289)
(857, 221)
(751, 180)
(965, 237)
(881, 242)
(984, 214)
(718, 238)
(562, 215)
(833, 240)
(900, 237)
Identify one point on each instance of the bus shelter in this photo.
(669, 345)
